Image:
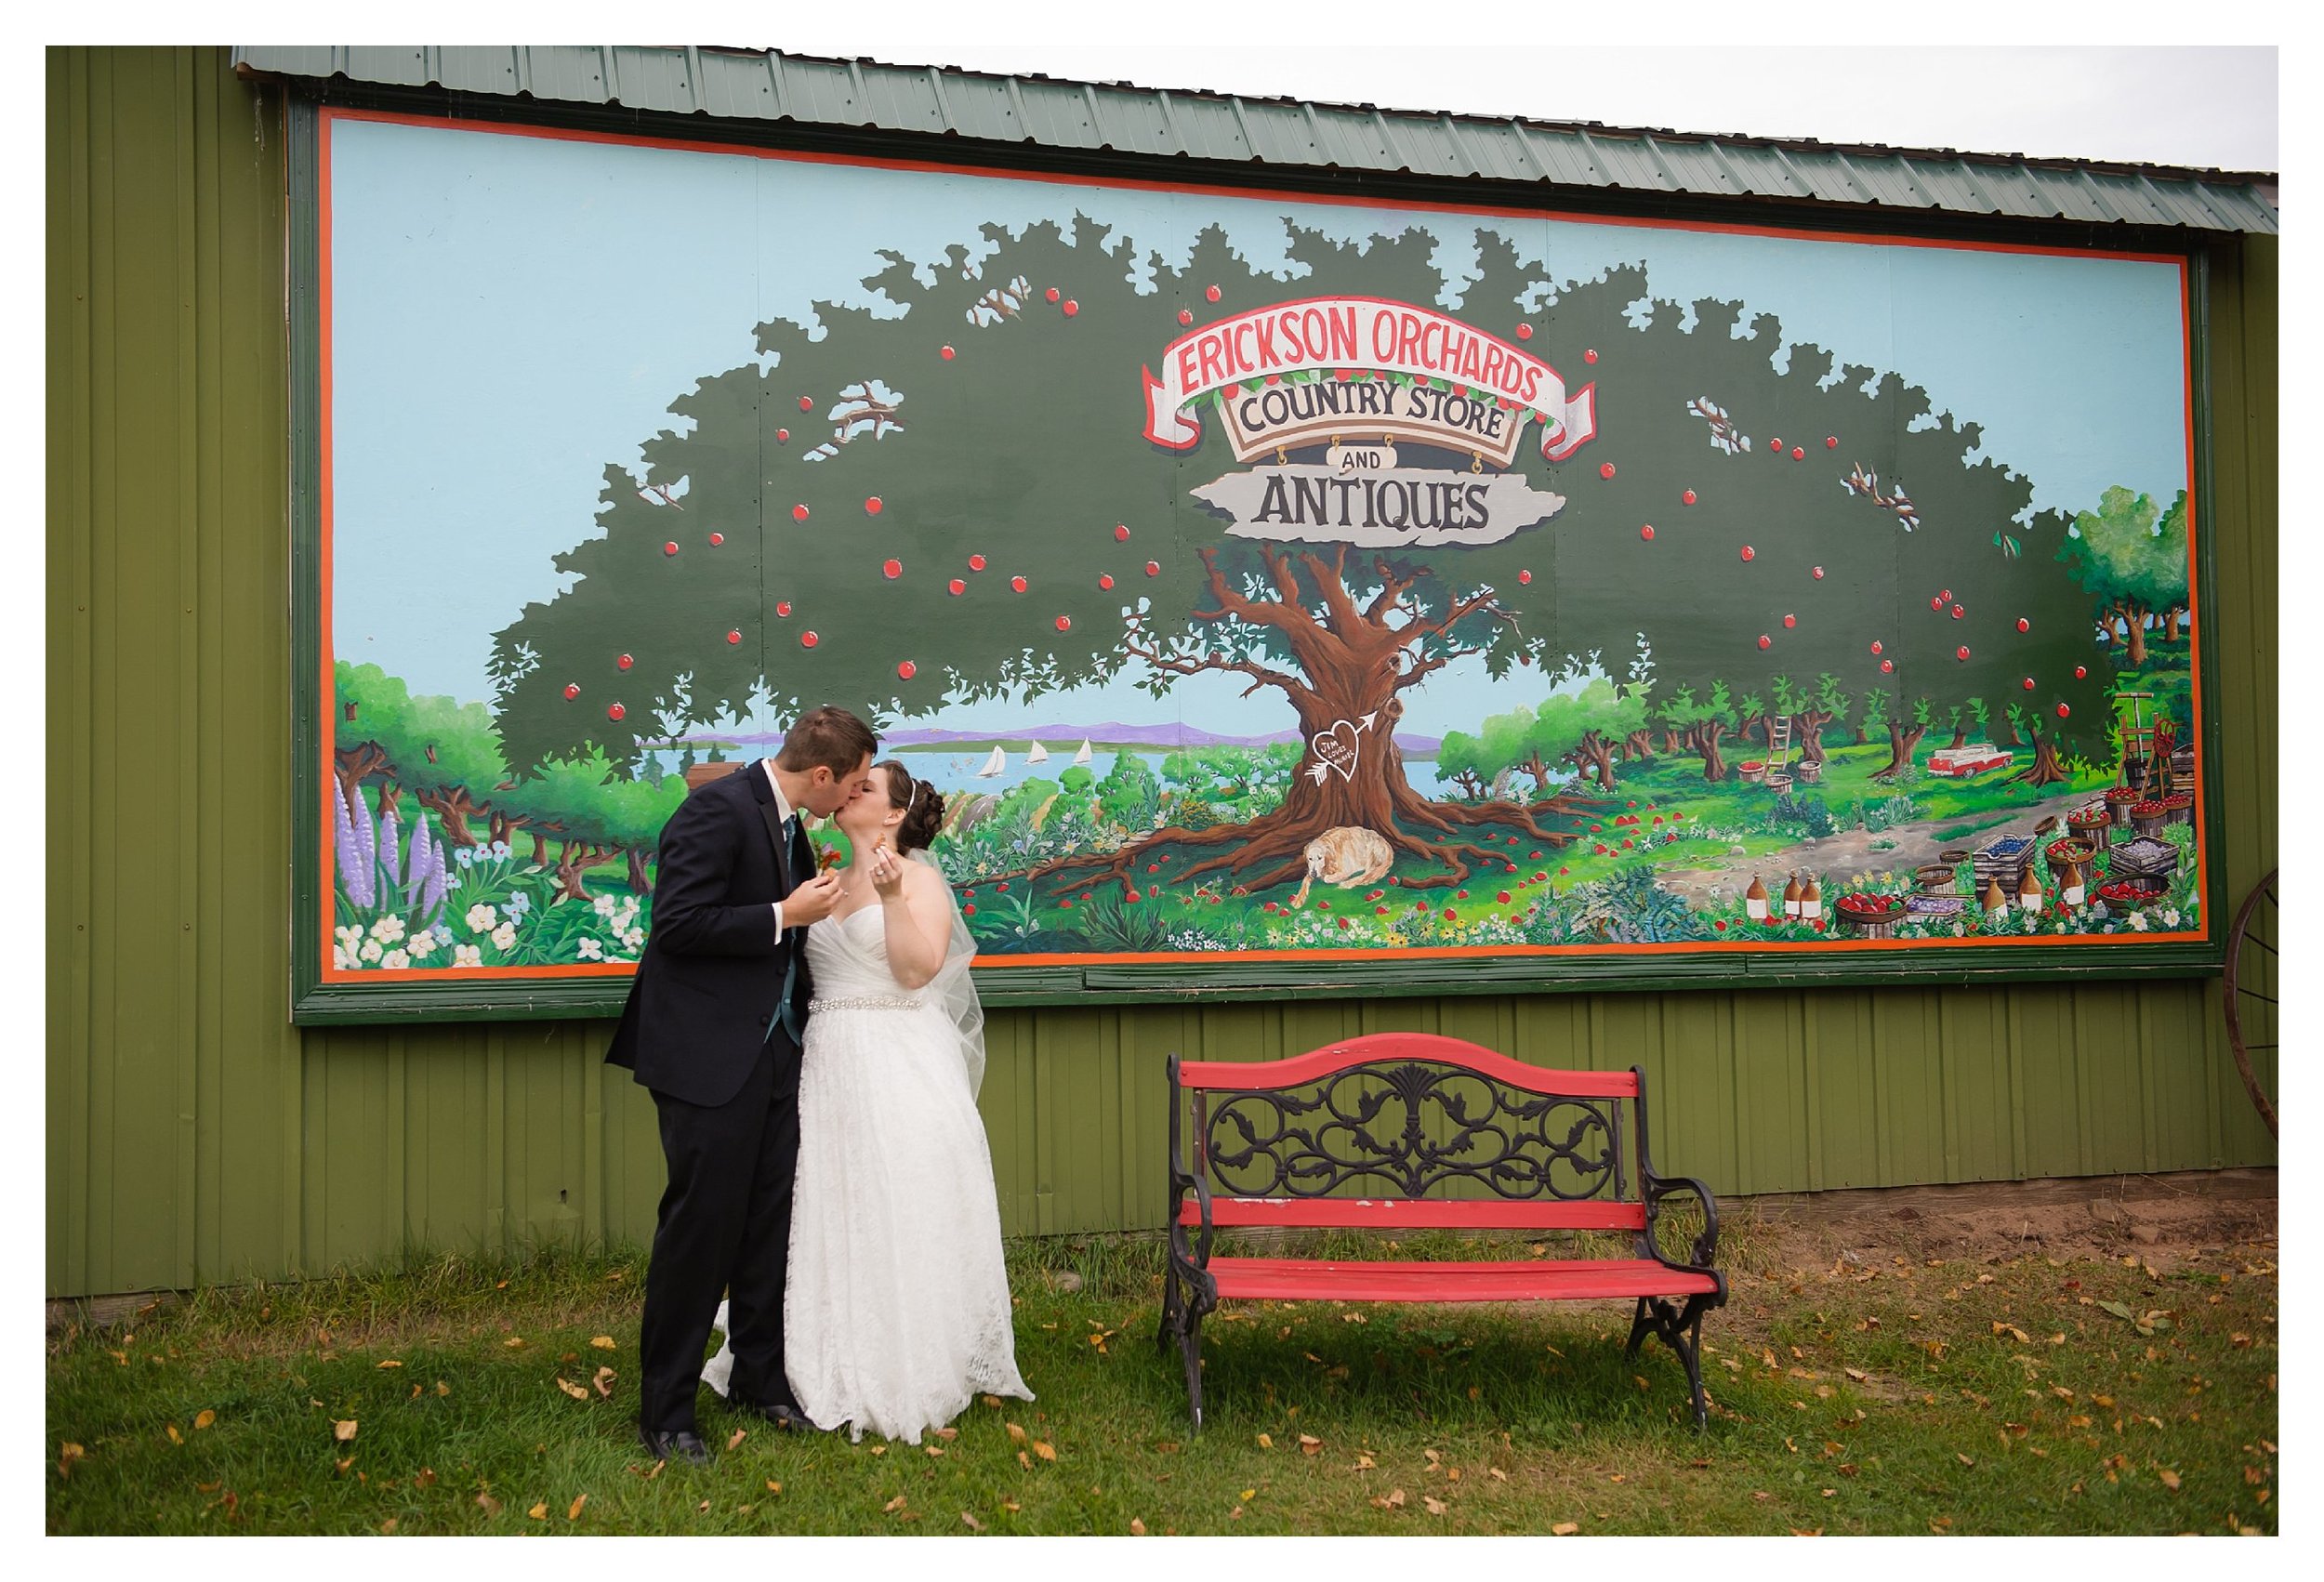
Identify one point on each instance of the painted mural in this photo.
(1259, 578)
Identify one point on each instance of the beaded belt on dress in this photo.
(865, 1002)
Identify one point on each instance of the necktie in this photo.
(801, 859)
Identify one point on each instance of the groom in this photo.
(712, 1029)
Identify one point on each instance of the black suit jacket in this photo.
(711, 979)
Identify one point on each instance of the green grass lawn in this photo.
(1890, 1397)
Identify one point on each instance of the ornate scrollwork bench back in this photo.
(1412, 1130)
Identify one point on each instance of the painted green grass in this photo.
(1888, 1398)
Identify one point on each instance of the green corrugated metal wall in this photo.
(195, 1135)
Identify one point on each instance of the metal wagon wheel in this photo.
(2250, 987)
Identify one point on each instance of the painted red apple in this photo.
(1687, 498)
(1071, 308)
(1590, 356)
(1961, 653)
(1774, 445)
(1052, 294)
(872, 505)
(1211, 292)
(1017, 584)
(2024, 624)
(1790, 621)
(615, 712)
(1154, 568)
(733, 634)
(1065, 622)
(670, 548)
(1937, 604)
(1956, 611)
(1121, 532)
(1946, 594)
(907, 670)
(1524, 332)
(1887, 666)
(1606, 469)
(945, 353)
(1524, 576)
(572, 690)
(1106, 582)
(782, 436)
(783, 607)
(976, 563)
(1817, 573)
(717, 539)
(1647, 533)
(1876, 648)
(799, 513)
(2029, 683)
(2064, 711)
(2082, 672)
(1749, 553)
(1186, 315)
(1798, 453)
(1766, 642)
(891, 569)
(808, 639)
(623, 662)
(1831, 441)
(807, 404)
(955, 586)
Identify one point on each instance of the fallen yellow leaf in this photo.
(1964, 1460)
(1567, 1529)
(1248, 1494)
(572, 1512)
(1391, 1500)
(390, 1363)
(443, 1389)
(1045, 1451)
(1137, 1527)
(1436, 1505)
(1309, 1444)
(174, 1437)
(576, 1392)
(605, 1382)
(1016, 1434)
(343, 1432)
(2169, 1478)
(894, 1505)
(970, 1523)
(603, 1342)
(386, 1528)
(736, 1438)
(933, 1449)
(1266, 1442)
(425, 1478)
(774, 1487)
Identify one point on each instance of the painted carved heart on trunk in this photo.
(1337, 747)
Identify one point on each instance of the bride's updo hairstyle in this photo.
(923, 808)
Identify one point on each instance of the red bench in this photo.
(1378, 1133)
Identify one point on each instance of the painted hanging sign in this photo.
(1278, 592)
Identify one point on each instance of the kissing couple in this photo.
(813, 1046)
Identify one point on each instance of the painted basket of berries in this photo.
(2069, 851)
(2120, 801)
(2126, 892)
(1874, 916)
(1935, 878)
(1752, 771)
(2146, 818)
(2179, 807)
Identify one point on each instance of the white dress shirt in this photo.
(782, 814)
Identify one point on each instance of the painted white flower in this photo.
(463, 856)
(592, 951)
(518, 904)
(339, 959)
(2138, 921)
(387, 931)
(505, 937)
(2171, 918)
(396, 960)
(349, 934)
(499, 849)
(467, 955)
(634, 940)
(371, 949)
(480, 918)
(602, 905)
(423, 943)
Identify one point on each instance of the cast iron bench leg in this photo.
(1683, 1332)
(1173, 1307)
(1190, 1346)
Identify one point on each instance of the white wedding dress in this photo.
(896, 1311)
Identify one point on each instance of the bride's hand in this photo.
(887, 873)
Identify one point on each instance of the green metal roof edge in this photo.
(977, 107)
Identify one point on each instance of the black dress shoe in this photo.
(675, 1444)
(780, 1414)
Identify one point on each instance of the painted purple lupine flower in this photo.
(354, 867)
(423, 852)
(389, 861)
(431, 896)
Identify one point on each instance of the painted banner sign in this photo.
(1265, 602)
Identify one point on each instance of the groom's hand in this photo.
(812, 901)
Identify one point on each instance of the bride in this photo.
(896, 1311)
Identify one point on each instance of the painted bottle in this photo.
(2071, 885)
(2029, 887)
(1811, 900)
(1755, 901)
(1993, 901)
(1792, 900)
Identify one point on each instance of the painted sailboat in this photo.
(1082, 756)
(1037, 754)
(993, 765)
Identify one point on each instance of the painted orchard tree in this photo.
(953, 497)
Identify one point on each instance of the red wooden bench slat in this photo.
(1415, 1213)
(1292, 1279)
(1375, 1046)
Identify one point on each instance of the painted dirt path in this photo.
(1843, 856)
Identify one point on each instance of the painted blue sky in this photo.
(511, 313)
